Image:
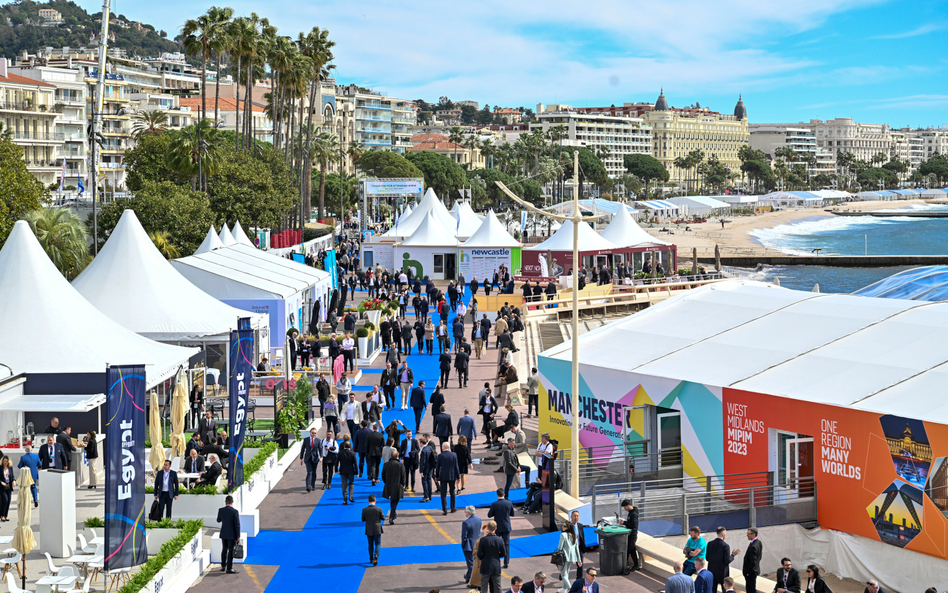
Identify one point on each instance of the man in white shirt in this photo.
(348, 353)
(352, 414)
(330, 451)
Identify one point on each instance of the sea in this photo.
(850, 235)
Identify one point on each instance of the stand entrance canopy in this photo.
(50, 329)
(562, 240)
(408, 224)
(625, 232)
(132, 283)
(491, 233)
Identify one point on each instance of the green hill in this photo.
(21, 28)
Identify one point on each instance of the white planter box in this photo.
(158, 537)
(180, 572)
(202, 506)
(217, 546)
(253, 491)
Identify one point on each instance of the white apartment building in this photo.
(932, 140)
(769, 137)
(845, 135)
(619, 135)
(379, 121)
(27, 110)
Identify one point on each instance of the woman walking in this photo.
(464, 459)
(92, 454)
(7, 484)
(332, 422)
(429, 335)
(570, 551)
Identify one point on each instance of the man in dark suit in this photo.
(229, 519)
(418, 402)
(373, 517)
(501, 510)
(393, 475)
(586, 584)
(52, 455)
(788, 579)
(435, 402)
(447, 473)
(720, 556)
(536, 585)
(374, 441)
(371, 410)
(490, 551)
(470, 531)
(348, 468)
(704, 580)
(427, 459)
(207, 428)
(872, 587)
(212, 472)
(409, 450)
(443, 427)
(166, 489)
(462, 361)
(310, 453)
(751, 568)
(358, 443)
(64, 440)
(194, 443)
(444, 363)
(194, 464)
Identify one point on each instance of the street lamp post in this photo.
(575, 218)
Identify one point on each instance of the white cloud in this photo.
(923, 30)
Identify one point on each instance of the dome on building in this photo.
(740, 112)
(661, 104)
(929, 283)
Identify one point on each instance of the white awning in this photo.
(53, 403)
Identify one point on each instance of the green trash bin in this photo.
(613, 549)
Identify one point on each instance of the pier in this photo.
(890, 214)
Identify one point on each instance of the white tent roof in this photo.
(240, 236)
(879, 355)
(698, 202)
(625, 232)
(935, 193)
(210, 243)
(430, 232)
(132, 283)
(491, 233)
(226, 238)
(241, 272)
(38, 307)
(739, 199)
(562, 239)
(408, 224)
(469, 221)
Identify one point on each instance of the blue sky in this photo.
(792, 60)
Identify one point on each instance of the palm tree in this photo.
(220, 21)
(488, 150)
(162, 240)
(355, 152)
(149, 122)
(5, 132)
(317, 46)
(456, 136)
(64, 238)
(188, 155)
(199, 35)
(324, 149)
(240, 34)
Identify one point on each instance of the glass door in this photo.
(799, 464)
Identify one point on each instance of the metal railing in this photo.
(632, 464)
(673, 510)
(38, 136)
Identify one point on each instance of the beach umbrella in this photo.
(314, 320)
(816, 287)
(694, 261)
(179, 409)
(717, 257)
(776, 281)
(157, 457)
(338, 368)
(23, 539)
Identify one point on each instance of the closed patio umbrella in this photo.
(23, 539)
(179, 409)
(157, 457)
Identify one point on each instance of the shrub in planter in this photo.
(93, 522)
(362, 333)
(168, 551)
(370, 326)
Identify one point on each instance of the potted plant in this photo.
(362, 334)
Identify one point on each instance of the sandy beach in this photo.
(734, 238)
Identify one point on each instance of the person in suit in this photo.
(510, 464)
(166, 489)
(814, 582)
(751, 567)
(310, 453)
(418, 402)
(358, 443)
(467, 428)
(372, 409)
(490, 550)
(427, 460)
(720, 556)
(229, 519)
(393, 475)
(536, 585)
(212, 472)
(580, 530)
(208, 428)
(704, 580)
(194, 443)
(447, 473)
(389, 380)
(501, 510)
(470, 530)
(729, 585)
(462, 361)
(194, 464)
(31, 461)
(374, 442)
(409, 451)
(680, 582)
(64, 440)
(788, 578)
(587, 584)
(443, 427)
(348, 467)
(373, 517)
(435, 402)
(52, 455)
(872, 587)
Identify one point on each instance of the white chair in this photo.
(119, 577)
(14, 588)
(84, 545)
(92, 535)
(52, 568)
(86, 586)
(10, 558)
(68, 570)
(176, 464)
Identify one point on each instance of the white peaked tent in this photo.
(133, 284)
(491, 233)
(240, 236)
(562, 240)
(431, 232)
(431, 249)
(468, 221)
(39, 307)
(226, 238)
(210, 243)
(625, 232)
(407, 224)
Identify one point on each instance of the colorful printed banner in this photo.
(125, 467)
(241, 367)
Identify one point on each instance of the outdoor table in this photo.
(50, 582)
(6, 539)
(84, 560)
(97, 541)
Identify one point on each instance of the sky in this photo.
(872, 60)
